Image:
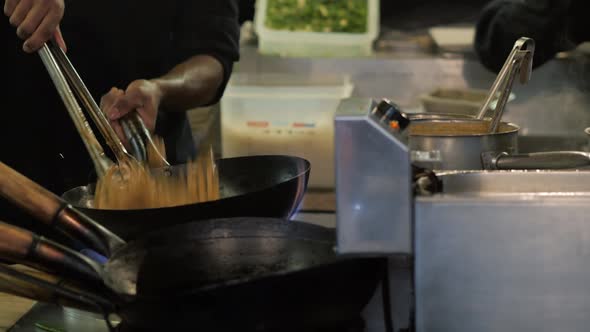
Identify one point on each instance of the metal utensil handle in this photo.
(520, 57)
(136, 133)
(101, 162)
(503, 99)
(78, 298)
(17, 287)
(148, 137)
(135, 141)
(48, 208)
(543, 160)
(19, 245)
(87, 100)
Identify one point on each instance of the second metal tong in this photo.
(519, 61)
(64, 75)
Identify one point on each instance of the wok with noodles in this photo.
(259, 186)
(255, 186)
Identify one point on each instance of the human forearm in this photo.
(192, 83)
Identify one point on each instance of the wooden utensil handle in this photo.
(22, 246)
(26, 194)
(52, 210)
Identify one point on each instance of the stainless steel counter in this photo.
(504, 251)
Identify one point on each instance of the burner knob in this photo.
(384, 106)
(389, 113)
(399, 119)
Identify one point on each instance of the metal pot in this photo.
(459, 143)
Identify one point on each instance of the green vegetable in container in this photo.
(348, 16)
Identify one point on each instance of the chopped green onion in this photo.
(348, 16)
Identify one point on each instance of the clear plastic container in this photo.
(316, 44)
(284, 114)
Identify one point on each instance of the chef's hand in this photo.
(142, 96)
(36, 21)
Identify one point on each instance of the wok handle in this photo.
(48, 208)
(36, 288)
(22, 246)
(10, 284)
(541, 160)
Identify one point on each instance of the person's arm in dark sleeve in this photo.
(502, 22)
(206, 41)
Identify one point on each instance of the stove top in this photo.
(356, 325)
(56, 318)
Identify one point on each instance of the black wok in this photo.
(256, 186)
(219, 275)
(238, 275)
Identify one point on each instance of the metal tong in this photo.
(139, 137)
(64, 75)
(101, 162)
(520, 60)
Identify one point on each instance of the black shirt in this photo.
(555, 25)
(111, 43)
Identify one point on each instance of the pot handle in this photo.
(537, 160)
(48, 208)
(21, 246)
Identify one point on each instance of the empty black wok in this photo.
(255, 186)
(237, 274)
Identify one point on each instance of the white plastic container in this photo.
(279, 114)
(316, 44)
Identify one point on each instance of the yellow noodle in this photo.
(209, 175)
(141, 188)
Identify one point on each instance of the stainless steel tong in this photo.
(64, 75)
(520, 60)
(101, 162)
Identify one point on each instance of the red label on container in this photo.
(303, 125)
(257, 124)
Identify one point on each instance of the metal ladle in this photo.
(520, 60)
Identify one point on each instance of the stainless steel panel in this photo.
(502, 262)
(373, 184)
